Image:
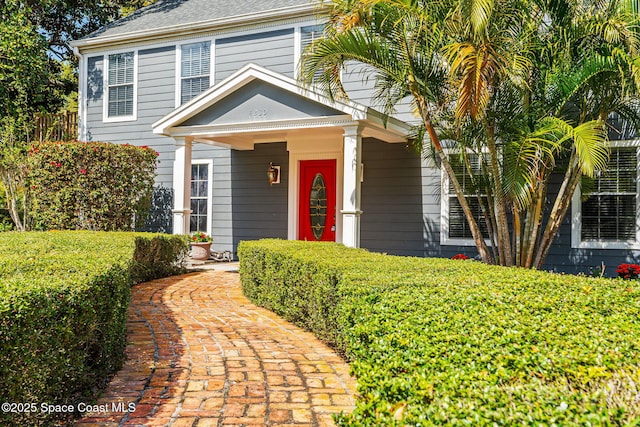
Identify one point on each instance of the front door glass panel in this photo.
(318, 206)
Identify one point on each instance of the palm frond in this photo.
(479, 14)
(592, 146)
(531, 158)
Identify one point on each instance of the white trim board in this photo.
(105, 97)
(302, 150)
(209, 163)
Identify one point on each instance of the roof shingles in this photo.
(171, 13)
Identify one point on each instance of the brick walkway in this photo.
(200, 354)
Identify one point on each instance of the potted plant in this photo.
(200, 246)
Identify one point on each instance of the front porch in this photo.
(256, 106)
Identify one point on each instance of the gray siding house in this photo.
(210, 84)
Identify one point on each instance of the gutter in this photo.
(194, 27)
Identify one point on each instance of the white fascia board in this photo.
(250, 127)
(195, 27)
(387, 123)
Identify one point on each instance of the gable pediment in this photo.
(259, 101)
(252, 96)
(258, 104)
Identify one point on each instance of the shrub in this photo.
(90, 185)
(439, 342)
(63, 307)
(161, 256)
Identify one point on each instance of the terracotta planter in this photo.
(200, 251)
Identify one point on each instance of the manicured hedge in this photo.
(78, 185)
(443, 342)
(63, 307)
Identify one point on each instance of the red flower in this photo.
(628, 271)
(200, 236)
(83, 171)
(460, 256)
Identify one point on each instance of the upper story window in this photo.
(121, 87)
(455, 228)
(195, 69)
(309, 34)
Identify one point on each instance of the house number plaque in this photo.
(258, 114)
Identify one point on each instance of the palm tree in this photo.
(603, 79)
(525, 87)
(398, 40)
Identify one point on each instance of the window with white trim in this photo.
(610, 212)
(195, 69)
(121, 92)
(200, 218)
(455, 227)
(309, 34)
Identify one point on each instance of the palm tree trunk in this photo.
(485, 208)
(517, 235)
(504, 243)
(535, 226)
(487, 212)
(491, 218)
(559, 210)
(528, 230)
(478, 239)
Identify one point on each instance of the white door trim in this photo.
(312, 149)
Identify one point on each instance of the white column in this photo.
(182, 186)
(352, 170)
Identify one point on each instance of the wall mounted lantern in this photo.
(273, 173)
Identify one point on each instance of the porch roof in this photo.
(257, 105)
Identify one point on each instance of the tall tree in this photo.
(24, 72)
(62, 21)
(523, 86)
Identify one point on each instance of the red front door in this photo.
(317, 200)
